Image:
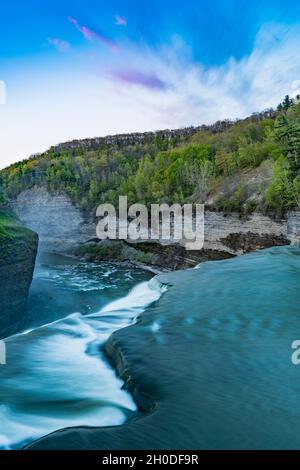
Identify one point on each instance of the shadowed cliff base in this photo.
(18, 249)
(148, 255)
(210, 363)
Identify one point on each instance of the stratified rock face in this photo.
(18, 249)
(62, 226)
(293, 228)
(236, 235)
(59, 224)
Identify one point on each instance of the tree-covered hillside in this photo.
(253, 164)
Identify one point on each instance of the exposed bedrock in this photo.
(58, 222)
(18, 248)
(62, 226)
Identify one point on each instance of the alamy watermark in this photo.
(2, 353)
(161, 222)
(2, 92)
(295, 358)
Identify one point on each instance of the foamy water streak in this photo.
(57, 376)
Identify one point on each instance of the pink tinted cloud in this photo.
(121, 21)
(136, 77)
(60, 44)
(91, 35)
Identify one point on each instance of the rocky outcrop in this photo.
(247, 242)
(136, 138)
(58, 222)
(236, 235)
(18, 249)
(153, 256)
(62, 226)
(293, 228)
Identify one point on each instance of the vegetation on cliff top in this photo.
(11, 228)
(7, 225)
(249, 165)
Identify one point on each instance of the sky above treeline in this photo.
(75, 69)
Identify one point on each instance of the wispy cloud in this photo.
(91, 35)
(194, 94)
(189, 93)
(60, 44)
(121, 21)
(136, 77)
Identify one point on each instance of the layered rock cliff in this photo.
(18, 249)
(62, 227)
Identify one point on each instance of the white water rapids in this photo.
(57, 375)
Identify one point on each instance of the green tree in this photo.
(288, 132)
(3, 198)
(286, 104)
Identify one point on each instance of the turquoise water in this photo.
(213, 352)
(56, 374)
(63, 285)
(232, 324)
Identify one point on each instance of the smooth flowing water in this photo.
(56, 374)
(214, 355)
(219, 356)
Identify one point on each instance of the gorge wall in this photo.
(58, 222)
(62, 226)
(18, 249)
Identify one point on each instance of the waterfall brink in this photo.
(57, 376)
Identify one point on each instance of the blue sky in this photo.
(74, 69)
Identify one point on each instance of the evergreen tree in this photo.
(294, 148)
(288, 132)
(287, 103)
(2, 195)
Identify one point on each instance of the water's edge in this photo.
(50, 356)
(172, 361)
(116, 358)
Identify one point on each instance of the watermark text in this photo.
(2, 353)
(161, 222)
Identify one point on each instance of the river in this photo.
(56, 374)
(211, 357)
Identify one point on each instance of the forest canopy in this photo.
(178, 170)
